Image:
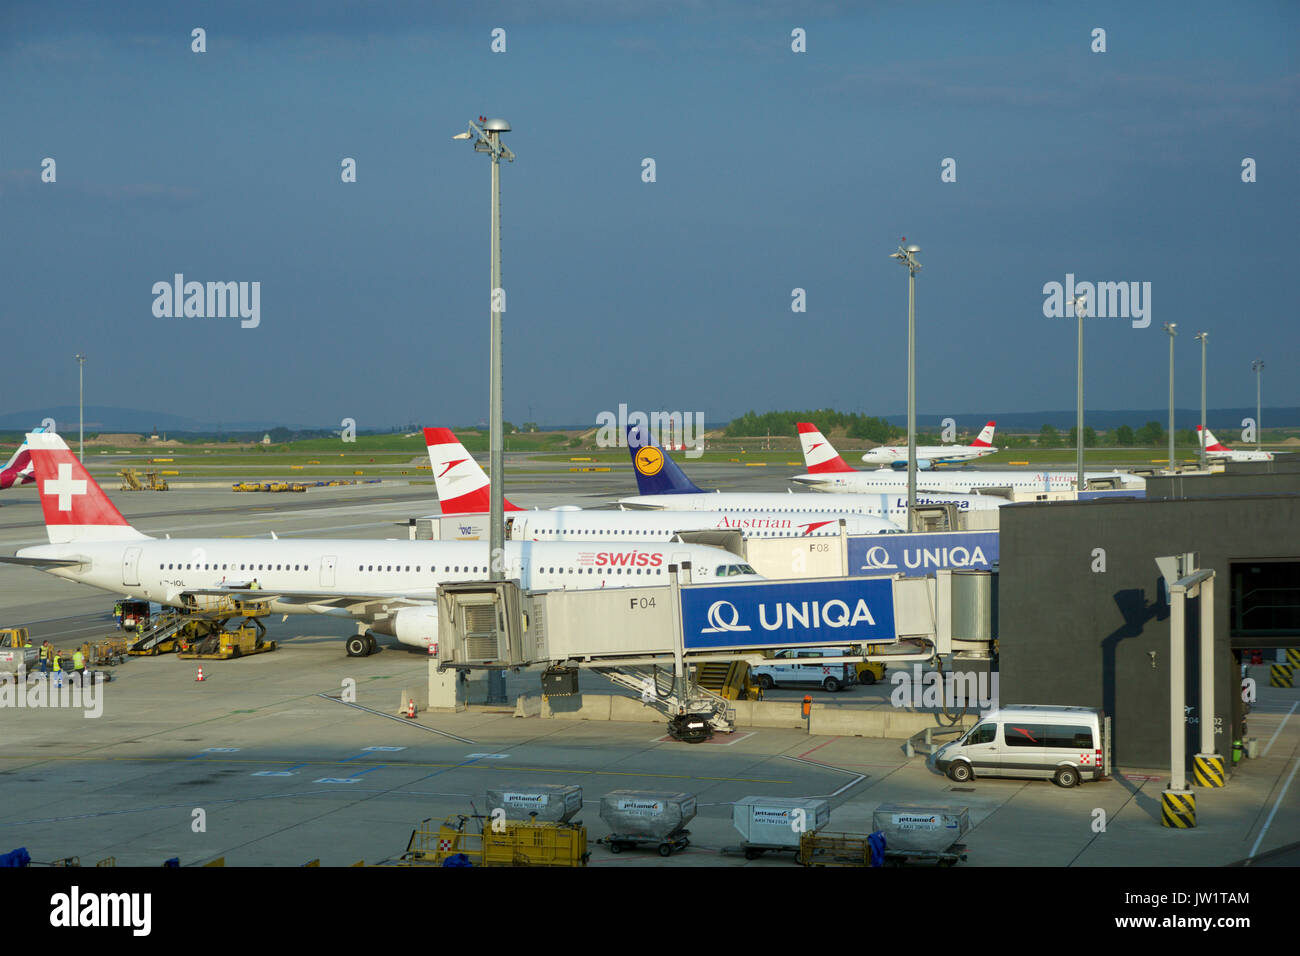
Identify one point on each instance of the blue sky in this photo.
(775, 170)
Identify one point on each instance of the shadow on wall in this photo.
(1137, 611)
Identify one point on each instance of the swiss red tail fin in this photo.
(76, 508)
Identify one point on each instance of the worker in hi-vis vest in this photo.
(58, 662)
(45, 653)
(78, 661)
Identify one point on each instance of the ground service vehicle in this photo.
(799, 665)
(1065, 744)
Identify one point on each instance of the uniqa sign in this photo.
(887, 554)
(845, 611)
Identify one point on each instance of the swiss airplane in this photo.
(1218, 450)
(663, 486)
(390, 587)
(828, 473)
(927, 455)
(463, 489)
(19, 469)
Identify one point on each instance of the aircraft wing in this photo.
(41, 562)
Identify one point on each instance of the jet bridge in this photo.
(652, 639)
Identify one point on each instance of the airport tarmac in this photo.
(283, 772)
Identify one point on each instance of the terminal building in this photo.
(1083, 614)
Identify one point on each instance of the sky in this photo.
(774, 171)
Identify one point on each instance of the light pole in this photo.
(81, 408)
(1080, 309)
(1202, 337)
(1257, 367)
(487, 139)
(1171, 328)
(907, 256)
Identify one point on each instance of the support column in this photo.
(1208, 768)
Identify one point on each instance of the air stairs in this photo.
(163, 630)
(659, 688)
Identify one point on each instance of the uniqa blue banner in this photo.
(846, 611)
(920, 554)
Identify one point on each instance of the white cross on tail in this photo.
(65, 487)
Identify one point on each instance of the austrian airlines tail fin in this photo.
(19, 469)
(985, 437)
(656, 473)
(818, 454)
(76, 508)
(463, 487)
(1212, 443)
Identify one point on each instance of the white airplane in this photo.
(1219, 451)
(387, 586)
(463, 489)
(828, 473)
(18, 470)
(663, 486)
(927, 455)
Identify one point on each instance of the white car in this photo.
(799, 665)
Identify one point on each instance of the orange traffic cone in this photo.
(410, 709)
(200, 677)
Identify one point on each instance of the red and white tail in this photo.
(985, 438)
(19, 470)
(818, 454)
(76, 509)
(463, 487)
(1212, 443)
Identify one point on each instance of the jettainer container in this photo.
(920, 829)
(647, 814)
(552, 802)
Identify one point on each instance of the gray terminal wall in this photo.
(1071, 635)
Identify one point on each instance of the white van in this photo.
(1066, 744)
(799, 665)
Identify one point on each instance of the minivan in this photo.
(1035, 741)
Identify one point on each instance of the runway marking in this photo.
(338, 780)
(669, 738)
(420, 765)
(857, 777)
(271, 773)
(400, 720)
(1276, 803)
(1279, 729)
(486, 756)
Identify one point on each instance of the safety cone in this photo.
(200, 677)
(410, 709)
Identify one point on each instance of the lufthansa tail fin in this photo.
(985, 437)
(463, 487)
(76, 508)
(818, 454)
(656, 473)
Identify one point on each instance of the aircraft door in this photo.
(327, 565)
(131, 568)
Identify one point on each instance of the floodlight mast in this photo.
(907, 256)
(486, 135)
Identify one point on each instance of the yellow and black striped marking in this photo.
(1279, 675)
(1207, 769)
(1178, 809)
(1293, 656)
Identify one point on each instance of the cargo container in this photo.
(638, 817)
(543, 802)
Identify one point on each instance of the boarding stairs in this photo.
(162, 628)
(657, 687)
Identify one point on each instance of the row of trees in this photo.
(783, 423)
